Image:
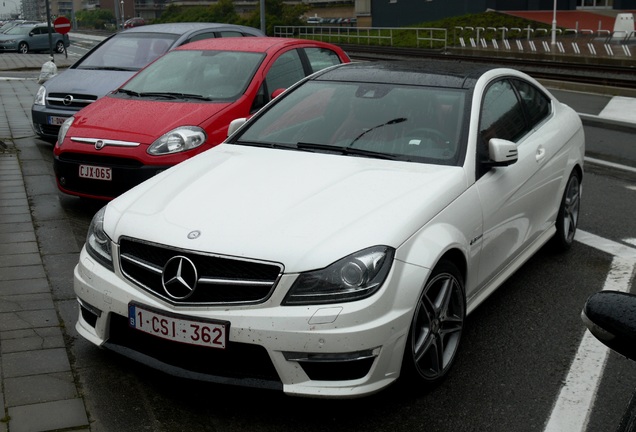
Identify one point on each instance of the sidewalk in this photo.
(39, 389)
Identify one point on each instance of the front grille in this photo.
(70, 100)
(221, 280)
(239, 363)
(100, 160)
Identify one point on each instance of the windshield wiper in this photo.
(109, 68)
(265, 145)
(128, 92)
(363, 133)
(173, 95)
(344, 150)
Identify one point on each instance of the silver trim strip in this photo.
(107, 142)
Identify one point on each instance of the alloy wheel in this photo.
(437, 325)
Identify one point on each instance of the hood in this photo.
(120, 118)
(304, 210)
(87, 81)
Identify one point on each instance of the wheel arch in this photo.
(456, 257)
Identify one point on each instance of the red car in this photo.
(178, 106)
(134, 22)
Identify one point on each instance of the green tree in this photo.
(222, 11)
(94, 19)
(278, 13)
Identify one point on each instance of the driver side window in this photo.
(501, 113)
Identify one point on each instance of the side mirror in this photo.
(502, 152)
(235, 125)
(611, 318)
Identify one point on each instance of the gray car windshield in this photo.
(211, 75)
(128, 51)
(411, 123)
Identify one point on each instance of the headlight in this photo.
(64, 130)
(178, 140)
(354, 277)
(98, 244)
(40, 96)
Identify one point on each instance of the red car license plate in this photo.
(95, 172)
(212, 334)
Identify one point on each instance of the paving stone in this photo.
(24, 302)
(18, 248)
(25, 363)
(48, 416)
(24, 286)
(39, 388)
(28, 319)
(22, 272)
(31, 339)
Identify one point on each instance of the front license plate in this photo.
(207, 333)
(95, 172)
(54, 120)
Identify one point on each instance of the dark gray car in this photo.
(111, 63)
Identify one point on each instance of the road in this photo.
(518, 347)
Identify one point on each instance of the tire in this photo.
(568, 215)
(59, 47)
(23, 48)
(436, 329)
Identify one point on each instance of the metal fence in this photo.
(540, 40)
(383, 36)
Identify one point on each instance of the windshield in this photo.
(128, 51)
(214, 75)
(19, 30)
(411, 123)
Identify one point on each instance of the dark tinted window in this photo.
(501, 113)
(320, 58)
(286, 70)
(536, 104)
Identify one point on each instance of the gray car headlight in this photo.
(354, 277)
(40, 96)
(98, 244)
(64, 130)
(178, 140)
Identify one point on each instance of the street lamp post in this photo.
(122, 13)
(554, 22)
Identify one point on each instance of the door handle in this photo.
(540, 153)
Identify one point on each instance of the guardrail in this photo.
(565, 42)
(433, 38)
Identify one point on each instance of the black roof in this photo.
(437, 73)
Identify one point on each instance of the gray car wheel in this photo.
(23, 48)
(436, 328)
(568, 216)
(59, 47)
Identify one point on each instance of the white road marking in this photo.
(610, 165)
(574, 405)
(620, 108)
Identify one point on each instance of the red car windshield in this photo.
(212, 75)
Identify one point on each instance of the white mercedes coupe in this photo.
(336, 241)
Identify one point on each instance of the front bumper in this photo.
(47, 121)
(333, 351)
(126, 174)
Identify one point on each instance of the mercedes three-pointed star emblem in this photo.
(179, 277)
